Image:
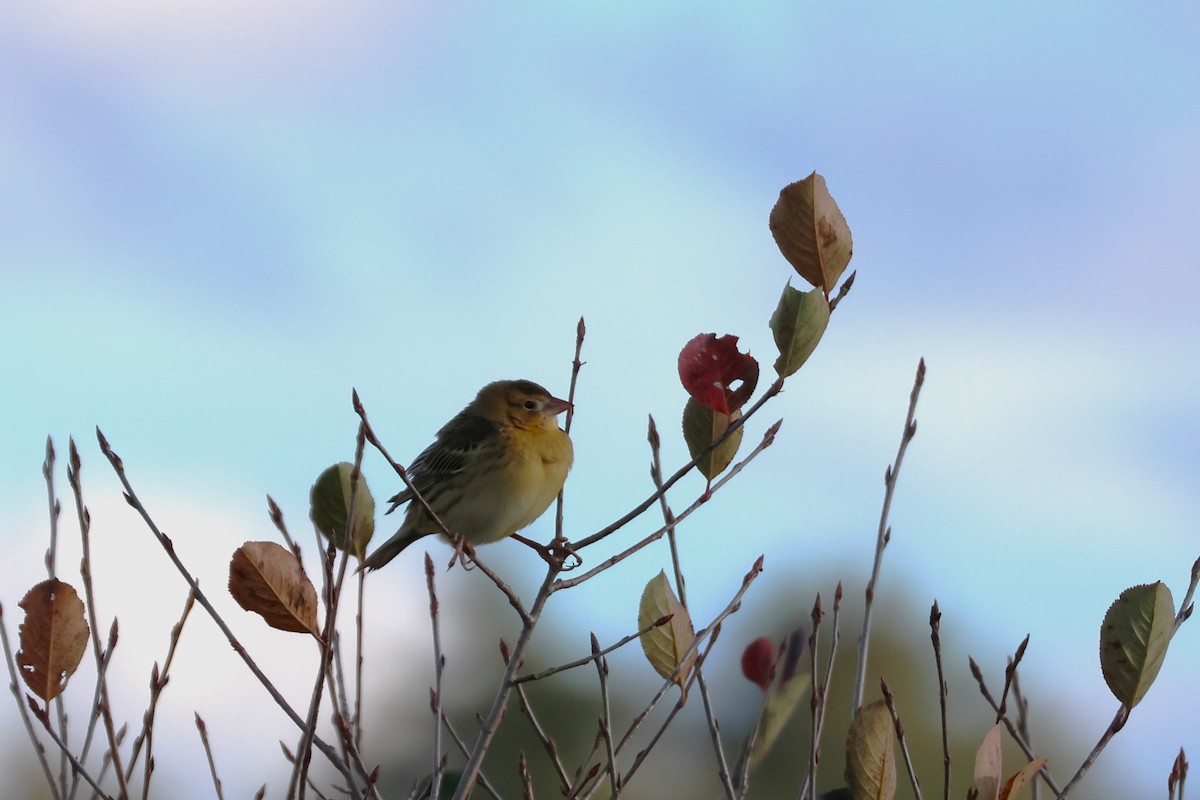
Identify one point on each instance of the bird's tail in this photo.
(389, 549)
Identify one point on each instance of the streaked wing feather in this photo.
(448, 455)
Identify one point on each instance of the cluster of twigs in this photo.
(608, 768)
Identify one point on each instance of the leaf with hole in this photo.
(52, 637)
(717, 374)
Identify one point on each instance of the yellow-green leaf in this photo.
(811, 232)
(52, 637)
(1013, 786)
(989, 765)
(1134, 638)
(701, 427)
(267, 579)
(665, 644)
(798, 324)
(329, 503)
(783, 699)
(871, 754)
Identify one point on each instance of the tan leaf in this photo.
(811, 232)
(53, 637)
(664, 645)
(267, 579)
(871, 753)
(1013, 786)
(989, 765)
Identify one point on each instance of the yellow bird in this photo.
(491, 471)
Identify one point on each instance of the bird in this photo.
(492, 470)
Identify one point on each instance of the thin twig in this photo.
(579, 662)
(843, 290)
(767, 440)
(548, 744)
(212, 764)
(817, 697)
(576, 366)
(1044, 773)
(708, 633)
(38, 749)
(1009, 671)
(43, 717)
(899, 726)
(883, 535)
(744, 767)
(935, 636)
(462, 748)
(439, 663)
(158, 681)
(55, 508)
(669, 521)
(614, 778)
(1118, 722)
(641, 507)
(74, 466)
(808, 786)
(201, 598)
(1023, 724)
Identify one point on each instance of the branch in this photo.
(201, 598)
(884, 535)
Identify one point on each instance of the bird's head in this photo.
(524, 404)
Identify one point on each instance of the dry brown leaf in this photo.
(811, 232)
(665, 644)
(53, 637)
(267, 579)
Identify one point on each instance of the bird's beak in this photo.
(554, 406)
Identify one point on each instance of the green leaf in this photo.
(798, 324)
(811, 232)
(871, 753)
(330, 506)
(701, 427)
(1134, 638)
(665, 644)
(782, 701)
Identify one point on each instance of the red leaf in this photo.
(758, 662)
(708, 367)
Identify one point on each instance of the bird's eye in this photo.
(530, 405)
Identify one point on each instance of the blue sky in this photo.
(215, 220)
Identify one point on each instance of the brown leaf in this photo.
(811, 232)
(267, 579)
(665, 644)
(53, 637)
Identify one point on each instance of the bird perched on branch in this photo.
(491, 471)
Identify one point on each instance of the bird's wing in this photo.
(456, 442)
